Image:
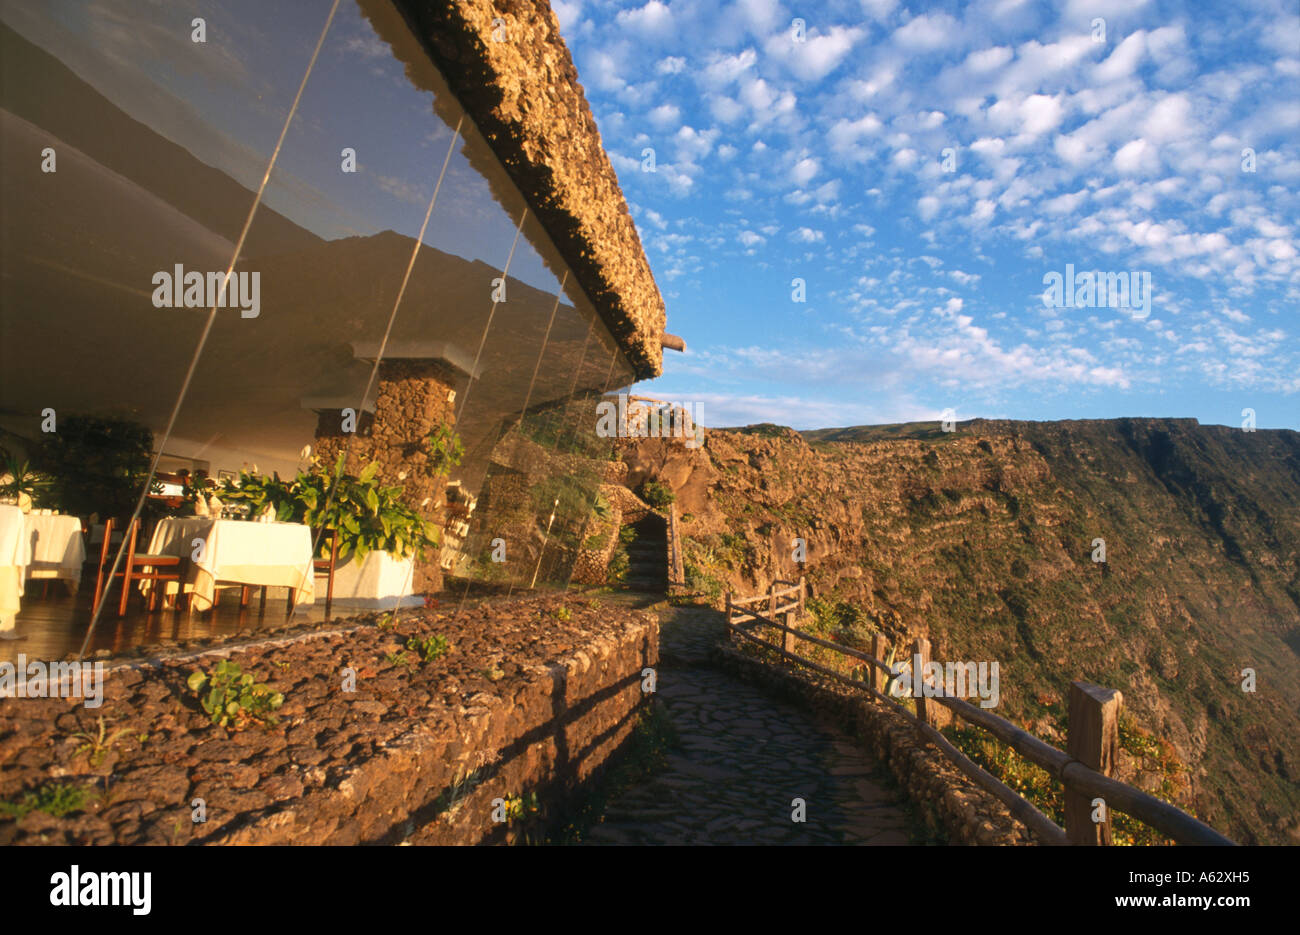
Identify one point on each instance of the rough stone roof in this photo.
(523, 95)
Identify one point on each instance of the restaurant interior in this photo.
(175, 471)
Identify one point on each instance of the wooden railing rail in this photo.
(1083, 772)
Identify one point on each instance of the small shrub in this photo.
(656, 494)
(430, 648)
(398, 658)
(232, 698)
(561, 613)
(99, 745)
(618, 566)
(57, 799)
(519, 807)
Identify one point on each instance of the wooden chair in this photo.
(137, 566)
(325, 567)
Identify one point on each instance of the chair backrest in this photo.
(104, 546)
(332, 537)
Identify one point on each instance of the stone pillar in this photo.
(412, 399)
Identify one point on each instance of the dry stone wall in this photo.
(534, 696)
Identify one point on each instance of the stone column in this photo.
(412, 399)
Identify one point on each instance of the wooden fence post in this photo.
(729, 637)
(879, 649)
(803, 596)
(1093, 740)
(789, 640)
(771, 610)
(920, 656)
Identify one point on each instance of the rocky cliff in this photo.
(988, 539)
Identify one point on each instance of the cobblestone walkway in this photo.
(742, 760)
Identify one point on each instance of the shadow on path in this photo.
(742, 759)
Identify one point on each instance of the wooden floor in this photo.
(50, 627)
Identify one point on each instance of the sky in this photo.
(924, 169)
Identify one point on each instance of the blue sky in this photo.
(823, 159)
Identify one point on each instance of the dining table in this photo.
(237, 552)
(15, 556)
(58, 548)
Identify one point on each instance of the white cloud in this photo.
(990, 59)
(655, 19)
(927, 32)
(804, 170)
(568, 12)
(1040, 113)
(724, 70)
(1137, 156)
(1124, 60)
(818, 55)
(665, 115)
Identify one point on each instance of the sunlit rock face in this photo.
(985, 540)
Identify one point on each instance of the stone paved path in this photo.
(743, 757)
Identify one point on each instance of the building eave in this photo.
(524, 97)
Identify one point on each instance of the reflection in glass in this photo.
(161, 143)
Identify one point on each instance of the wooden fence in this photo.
(1092, 739)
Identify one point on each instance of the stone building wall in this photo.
(412, 399)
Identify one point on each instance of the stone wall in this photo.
(412, 399)
(534, 697)
(946, 799)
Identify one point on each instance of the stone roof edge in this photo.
(523, 94)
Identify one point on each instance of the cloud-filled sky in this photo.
(924, 168)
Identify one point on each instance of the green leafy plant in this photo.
(519, 807)
(367, 515)
(53, 798)
(232, 698)
(444, 448)
(398, 658)
(22, 481)
(561, 613)
(96, 465)
(257, 492)
(100, 744)
(430, 648)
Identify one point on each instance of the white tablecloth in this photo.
(15, 556)
(238, 552)
(59, 551)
